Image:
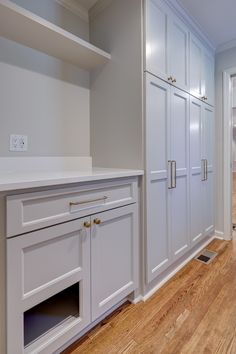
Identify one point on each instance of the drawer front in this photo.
(32, 211)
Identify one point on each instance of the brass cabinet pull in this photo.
(173, 173)
(206, 169)
(169, 174)
(89, 201)
(87, 224)
(203, 169)
(97, 221)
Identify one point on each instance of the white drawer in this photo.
(31, 211)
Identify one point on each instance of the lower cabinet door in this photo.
(113, 257)
(48, 287)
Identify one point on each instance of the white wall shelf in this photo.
(24, 27)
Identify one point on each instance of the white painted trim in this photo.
(176, 270)
(226, 46)
(219, 235)
(227, 155)
(136, 299)
(74, 7)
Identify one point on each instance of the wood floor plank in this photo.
(194, 313)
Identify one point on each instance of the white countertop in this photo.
(14, 180)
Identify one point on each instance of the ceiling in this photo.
(87, 4)
(216, 18)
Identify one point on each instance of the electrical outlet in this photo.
(18, 142)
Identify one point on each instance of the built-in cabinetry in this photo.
(201, 71)
(62, 277)
(167, 45)
(167, 112)
(179, 79)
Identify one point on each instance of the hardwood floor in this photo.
(194, 313)
(234, 199)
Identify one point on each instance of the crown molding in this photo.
(190, 21)
(98, 8)
(75, 8)
(226, 46)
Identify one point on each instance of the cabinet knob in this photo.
(174, 80)
(170, 78)
(97, 221)
(87, 224)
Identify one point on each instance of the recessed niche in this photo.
(47, 315)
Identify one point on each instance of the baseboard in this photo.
(136, 300)
(172, 273)
(219, 235)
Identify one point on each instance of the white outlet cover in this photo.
(18, 143)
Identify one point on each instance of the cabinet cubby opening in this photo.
(47, 315)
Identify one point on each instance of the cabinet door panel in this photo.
(179, 217)
(196, 187)
(179, 153)
(41, 264)
(196, 67)
(156, 39)
(208, 134)
(157, 150)
(179, 52)
(113, 247)
(208, 76)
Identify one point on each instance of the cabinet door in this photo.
(179, 52)
(156, 39)
(208, 145)
(208, 76)
(196, 67)
(157, 196)
(40, 265)
(180, 154)
(114, 267)
(196, 183)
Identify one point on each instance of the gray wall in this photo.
(224, 60)
(43, 97)
(116, 88)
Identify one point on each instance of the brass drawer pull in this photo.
(89, 201)
(87, 224)
(97, 221)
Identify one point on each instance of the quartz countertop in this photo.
(15, 180)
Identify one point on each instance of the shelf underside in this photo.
(24, 27)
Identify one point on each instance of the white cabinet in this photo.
(179, 53)
(208, 76)
(62, 277)
(113, 261)
(179, 155)
(40, 265)
(167, 45)
(201, 169)
(201, 71)
(208, 146)
(167, 181)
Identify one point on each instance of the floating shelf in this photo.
(24, 27)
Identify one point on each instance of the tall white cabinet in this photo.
(179, 139)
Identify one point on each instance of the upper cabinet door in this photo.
(157, 39)
(196, 67)
(179, 53)
(208, 77)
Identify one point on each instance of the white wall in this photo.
(116, 88)
(43, 97)
(224, 60)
